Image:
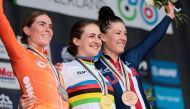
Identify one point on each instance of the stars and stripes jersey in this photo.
(82, 87)
(131, 59)
(34, 74)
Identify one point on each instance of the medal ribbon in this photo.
(124, 77)
(103, 86)
(127, 83)
(56, 73)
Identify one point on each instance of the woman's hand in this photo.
(169, 8)
(59, 66)
(26, 102)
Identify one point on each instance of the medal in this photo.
(106, 102)
(63, 93)
(61, 90)
(129, 98)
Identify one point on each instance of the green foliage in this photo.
(180, 18)
(149, 95)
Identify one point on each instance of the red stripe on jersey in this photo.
(138, 104)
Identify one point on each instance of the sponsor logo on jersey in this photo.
(40, 64)
(104, 71)
(28, 86)
(81, 72)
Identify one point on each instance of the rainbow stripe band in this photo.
(87, 98)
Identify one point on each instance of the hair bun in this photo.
(105, 13)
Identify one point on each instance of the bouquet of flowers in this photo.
(180, 18)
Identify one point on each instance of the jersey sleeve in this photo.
(13, 47)
(136, 54)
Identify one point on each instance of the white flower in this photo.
(149, 3)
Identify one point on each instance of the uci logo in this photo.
(131, 10)
(40, 64)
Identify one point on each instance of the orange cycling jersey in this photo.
(33, 72)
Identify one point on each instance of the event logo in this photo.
(90, 4)
(5, 102)
(130, 9)
(164, 72)
(127, 9)
(78, 8)
(133, 12)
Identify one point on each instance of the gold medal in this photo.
(129, 98)
(106, 102)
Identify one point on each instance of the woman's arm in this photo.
(136, 54)
(13, 47)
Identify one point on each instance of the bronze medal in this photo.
(63, 93)
(106, 102)
(129, 98)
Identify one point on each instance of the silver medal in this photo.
(63, 93)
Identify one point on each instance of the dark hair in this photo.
(28, 21)
(106, 16)
(76, 32)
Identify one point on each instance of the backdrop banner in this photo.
(173, 51)
(133, 12)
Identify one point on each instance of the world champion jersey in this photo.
(83, 89)
(132, 58)
(33, 72)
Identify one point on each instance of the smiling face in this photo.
(114, 40)
(40, 32)
(90, 42)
